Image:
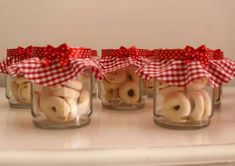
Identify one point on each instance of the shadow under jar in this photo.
(188, 107)
(122, 90)
(18, 91)
(63, 106)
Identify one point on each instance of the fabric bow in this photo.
(128, 52)
(60, 53)
(218, 54)
(24, 53)
(199, 54)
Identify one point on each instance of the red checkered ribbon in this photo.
(15, 55)
(114, 59)
(179, 67)
(55, 72)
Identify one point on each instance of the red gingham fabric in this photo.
(178, 69)
(234, 67)
(39, 71)
(115, 59)
(15, 55)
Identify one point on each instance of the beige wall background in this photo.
(111, 23)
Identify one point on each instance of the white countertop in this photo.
(118, 138)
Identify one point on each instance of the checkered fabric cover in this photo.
(15, 55)
(39, 71)
(179, 67)
(115, 59)
(234, 68)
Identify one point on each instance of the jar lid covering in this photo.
(179, 67)
(115, 59)
(15, 55)
(52, 66)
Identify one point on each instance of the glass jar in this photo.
(18, 92)
(7, 90)
(188, 107)
(217, 92)
(95, 83)
(148, 87)
(94, 86)
(63, 106)
(86, 82)
(122, 90)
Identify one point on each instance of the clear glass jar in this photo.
(7, 90)
(187, 107)
(86, 82)
(63, 106)
(18, 92)
(94, 86)
(148, 87)
(217, 92)
(122, 90)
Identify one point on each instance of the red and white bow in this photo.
(24, 53)
(128, 52)
(60, 53)
(199, 54)
(218, 54)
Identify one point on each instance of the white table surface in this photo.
(118, 138)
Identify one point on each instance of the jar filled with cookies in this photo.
(63, 106)
(18, 89)
(183, 85)
(188, 107)
(61, 86)
(121, 88)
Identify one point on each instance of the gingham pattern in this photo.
(35, 70)
(234, 67)
(15, 55)
(115, 59)
(39, 72)
(4, 64)
(178, 73)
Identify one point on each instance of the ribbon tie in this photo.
(128, 52)
(199, 54)
(218, 54)
(60, 53)
(24, 53)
